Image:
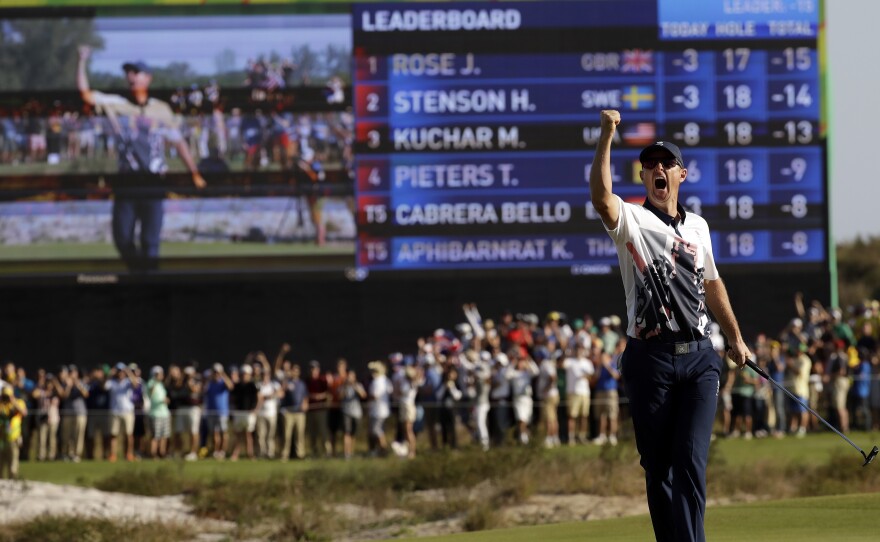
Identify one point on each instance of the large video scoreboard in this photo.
(476, 123)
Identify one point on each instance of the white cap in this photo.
(502, 359)
(247, 369)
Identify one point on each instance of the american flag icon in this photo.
(640, 133)
(637, 61)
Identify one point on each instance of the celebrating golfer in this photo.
(142, 124)
(670, 369)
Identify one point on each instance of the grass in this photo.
(272, 500)
(106, 251)
(851, 517)
(65, 529)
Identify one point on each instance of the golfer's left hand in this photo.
(739, 353)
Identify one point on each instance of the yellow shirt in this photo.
(10, 424)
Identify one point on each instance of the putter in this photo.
(868, 457)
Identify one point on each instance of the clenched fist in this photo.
(610, 119)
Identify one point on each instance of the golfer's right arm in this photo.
(82, 78)
(604, 200)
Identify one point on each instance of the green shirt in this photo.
(158, 405)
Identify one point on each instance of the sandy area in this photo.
(25, 500)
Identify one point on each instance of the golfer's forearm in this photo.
(183, 151)
(601, 193)
(82, 83)
(719, 304)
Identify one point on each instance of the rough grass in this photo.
(292, 501)
(65, 529)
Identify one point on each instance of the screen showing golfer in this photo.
(142, 125)
(670, 368)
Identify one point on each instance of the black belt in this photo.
(680, 347)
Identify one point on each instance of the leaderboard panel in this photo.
(476, 123)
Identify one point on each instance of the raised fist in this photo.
(610, 119)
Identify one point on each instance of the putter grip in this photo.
(754, 366)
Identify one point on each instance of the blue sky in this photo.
(161, 40)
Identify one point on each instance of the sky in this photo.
(161, 39)
(853, 84)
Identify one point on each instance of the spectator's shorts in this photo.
(160, 427)
(840, 391)
(377, 426)
(551, 403)
(218, 423)
(607, 403)
(797, 407)
(522, 408)
(408, 413)
(727, 401)
(98, 424)
(742, 405)
(122, 422)
(186, 420)
(578, 405)
(349, 425)
(243, 420)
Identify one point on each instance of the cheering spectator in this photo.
(606, 394)
(12, 412)
(121, 385)
(98, 406)
(351, 393)
(448, 395)
(160, 415)
(246, 401)
(48, 414)
(838, 375)
(267, 418)
(316, 419)
(380, 406)
(798, 365)
(74, 415)
(548, 394)
(499, 397)
(217, 409)
(862, 398)
(579, 369)
(409, 384)
(482, 378)
(524, 370)
(294, 405)
(334, 410)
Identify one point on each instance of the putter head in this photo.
(870, 457)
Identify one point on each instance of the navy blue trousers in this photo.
(127, 213)
(672, 402)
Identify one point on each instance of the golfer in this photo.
(142, 125)
(669, 367)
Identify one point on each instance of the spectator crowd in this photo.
(487, 383)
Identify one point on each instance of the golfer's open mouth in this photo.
(660, 183)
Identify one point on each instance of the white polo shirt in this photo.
(663, 272)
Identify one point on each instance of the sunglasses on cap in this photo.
(668, 163)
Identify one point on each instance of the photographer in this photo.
(73, 393)
(12, 412)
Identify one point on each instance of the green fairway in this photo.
(92, 251)
(851, 518)
(816, 449)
